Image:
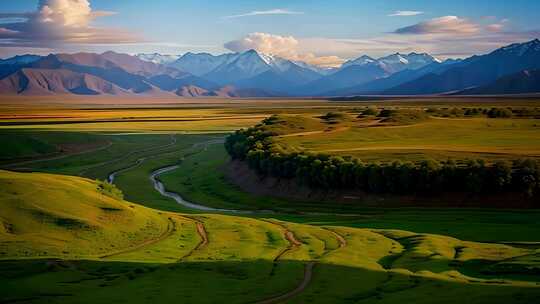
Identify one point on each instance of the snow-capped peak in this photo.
(522, 48)
(395, 62)
(158, 58)
(362, 60)
(200, 64)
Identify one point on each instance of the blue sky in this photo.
(319, 29)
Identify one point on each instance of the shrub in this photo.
(370, 112)
(386, 113)
(109, 190)
(499, 113)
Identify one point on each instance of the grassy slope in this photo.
(200, 179)
(19, 145)
(236, 263)
(436, 138)
(59, 212)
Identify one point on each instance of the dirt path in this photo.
(294, 243)
(341, 240)
(340, 129)
(201, 230)
(171, 228)
(308, 275)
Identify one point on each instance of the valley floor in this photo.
(67, 238)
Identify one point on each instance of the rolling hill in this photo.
(57, 216)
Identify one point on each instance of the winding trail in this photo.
(308, 276)
(201, 230)
(340, 129)
(341, 240)
(294, 243)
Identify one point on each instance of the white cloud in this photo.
(59, 21)
(441, 25)
(498, 26)
(440, 45)
(283, 46)
(276, 11)
(405, 13)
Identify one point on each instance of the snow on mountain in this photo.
(395, 62)
(315, 68)
(200, 64)
(520, 49)
(245, 65)
(276, 63)
(362, 60)
(475, 71)
(158, 58)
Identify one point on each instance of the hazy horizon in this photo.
(317, 32)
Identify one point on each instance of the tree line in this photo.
(267, 157)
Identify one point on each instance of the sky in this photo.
(316, 31)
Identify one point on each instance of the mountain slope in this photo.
(202, 63)
(158, 58)
(519, 83)
(355, 73)
(60, 81)
(475, 71)
(111, 73)
(21, 59)
(349, 76)
(381, 84)
(244, 66)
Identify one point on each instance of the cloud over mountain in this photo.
(284, 46)
(58, 21)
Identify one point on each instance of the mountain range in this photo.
(512, 69)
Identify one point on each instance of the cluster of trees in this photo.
(256, 146)
(488, 112)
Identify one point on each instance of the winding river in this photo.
(160, 187)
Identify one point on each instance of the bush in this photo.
(109, 190)
(499, 113)
(386, 113)
(370, 112)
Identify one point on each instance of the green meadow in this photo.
(67, 236)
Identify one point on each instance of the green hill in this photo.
(78, 235)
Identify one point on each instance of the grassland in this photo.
(109, 248)
(67, 239)
(201, 178)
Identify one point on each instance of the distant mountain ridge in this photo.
(512, 69)
(475, 71)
